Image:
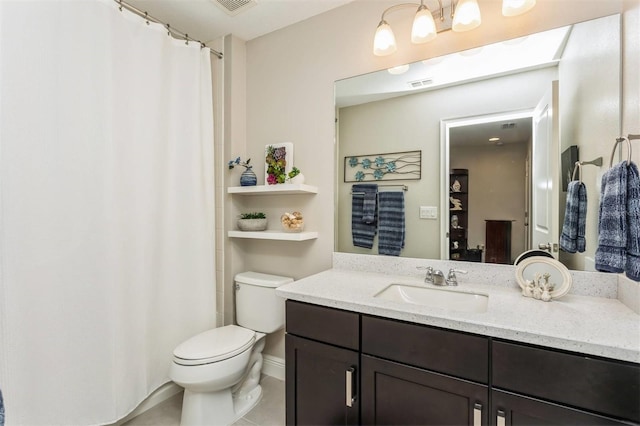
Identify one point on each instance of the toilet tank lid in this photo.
(263, 280)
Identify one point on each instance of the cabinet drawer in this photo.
(340, 328)
(458, 354)
(601, 386)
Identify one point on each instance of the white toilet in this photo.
(219, 369)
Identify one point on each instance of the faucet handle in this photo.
(452, 279)
(429, 275)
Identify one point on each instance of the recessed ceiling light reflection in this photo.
(400, 69)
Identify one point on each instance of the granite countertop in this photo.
(586, 324)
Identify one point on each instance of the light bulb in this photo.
(516, 7)
(467, 16)
(424, 27)
(384, 42)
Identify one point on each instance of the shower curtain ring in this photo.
(146, 16)
(120, 3)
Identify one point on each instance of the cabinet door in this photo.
(321, 383)
(509, 409)
(396, 394)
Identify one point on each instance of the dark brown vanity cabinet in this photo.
(538, 386)
(322, 366)
(343, 368)
(418, 375)
(347, 368)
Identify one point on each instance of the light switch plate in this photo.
(428, 212)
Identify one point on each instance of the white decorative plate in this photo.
(559, 274)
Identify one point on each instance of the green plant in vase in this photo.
(255, 221)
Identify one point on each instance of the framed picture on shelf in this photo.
(278, 162)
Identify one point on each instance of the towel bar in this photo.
(579, 164)
(629, 138)
(403, 187)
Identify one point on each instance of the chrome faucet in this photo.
(434, 276)
(452, 279)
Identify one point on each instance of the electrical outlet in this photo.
(428, 212)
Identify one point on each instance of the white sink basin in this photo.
(435, 297)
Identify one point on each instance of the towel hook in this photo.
(619, 140)
(577, 167)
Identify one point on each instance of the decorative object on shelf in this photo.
(454, 222)
(252, 222)
(248, 177)
(543, 278)
(456, 204)
(292, 222)
(278, 162)
(456, 186)
(463, 15)
(295, 176)
(389, 166)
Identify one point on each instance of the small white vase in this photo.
(252, 224)
(298, 179)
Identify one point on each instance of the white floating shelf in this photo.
(282, 188)
(274, 235)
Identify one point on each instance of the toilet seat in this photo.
(214, 345)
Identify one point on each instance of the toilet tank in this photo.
(257, 305)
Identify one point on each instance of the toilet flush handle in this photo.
(237, 286)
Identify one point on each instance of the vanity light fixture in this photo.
(465, 16)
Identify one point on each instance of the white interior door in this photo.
(545, 174)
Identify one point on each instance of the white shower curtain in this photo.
(106, 208)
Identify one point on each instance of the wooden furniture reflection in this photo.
(498, 241)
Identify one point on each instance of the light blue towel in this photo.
(391, 227)
(363, 214)
(575, 216)
(612, 221)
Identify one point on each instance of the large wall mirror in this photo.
(542, 95)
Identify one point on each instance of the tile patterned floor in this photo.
(268, 412)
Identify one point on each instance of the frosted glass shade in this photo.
(424, 27)
(516, 7)
(384, 42)
(467, 16)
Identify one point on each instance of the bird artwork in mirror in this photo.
(479, 110)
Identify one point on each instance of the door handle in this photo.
(501, 419)
(350, 386)
(543, 246)
(477, 414)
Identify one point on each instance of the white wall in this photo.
(290, 76)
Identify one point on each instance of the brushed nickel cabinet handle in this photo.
(477, 414)
(349, 386)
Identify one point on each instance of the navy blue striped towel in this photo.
(612, 221)
(575, 217)
(391, 229)
(363, 214)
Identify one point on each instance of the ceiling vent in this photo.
(507, 126)
(420, 83)
(234, 7)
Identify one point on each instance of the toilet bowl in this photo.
(220, 368)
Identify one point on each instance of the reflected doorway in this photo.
(488, 176)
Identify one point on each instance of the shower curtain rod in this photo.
(170, 29)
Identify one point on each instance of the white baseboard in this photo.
(273, 366)
(161, 394)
